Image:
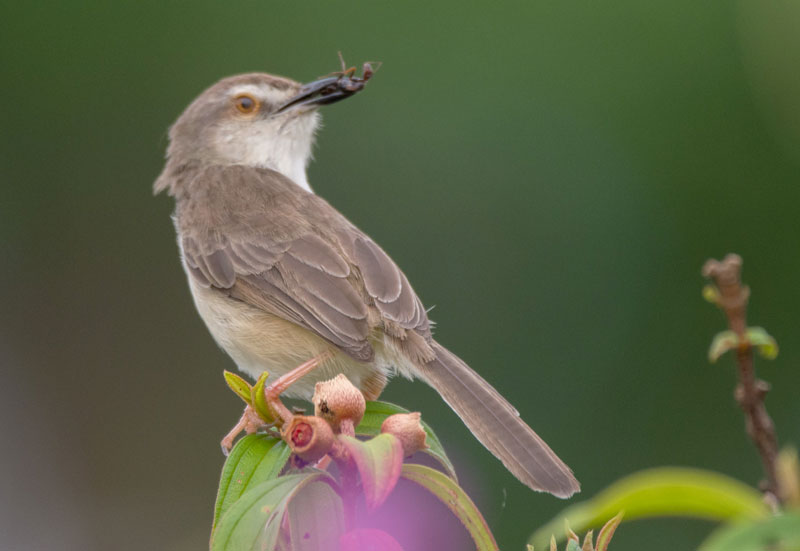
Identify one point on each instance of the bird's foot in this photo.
(249, 422)
(272, 393)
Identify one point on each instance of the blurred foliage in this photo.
(662, 492)
(728, 340)
(746, 522)
(775, 533)
(548, 174)
(751, 520)
(574, 542)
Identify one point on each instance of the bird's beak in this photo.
(324, 91)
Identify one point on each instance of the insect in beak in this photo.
(329, 89)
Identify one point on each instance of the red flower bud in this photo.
(308, 437)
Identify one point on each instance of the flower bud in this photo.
(407, 428)
(308, 437)
(337, 401)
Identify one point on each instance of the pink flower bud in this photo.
(407, 428)
(337, 401)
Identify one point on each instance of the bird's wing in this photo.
(258, 237)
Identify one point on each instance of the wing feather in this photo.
(314, 252)
(337, 293)
(382, 277)
(303, 261)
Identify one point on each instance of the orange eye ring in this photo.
(246, 104)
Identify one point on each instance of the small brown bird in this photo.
(281, 278)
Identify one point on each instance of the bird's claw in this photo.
(249, 422)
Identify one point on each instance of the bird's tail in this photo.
(497, 424)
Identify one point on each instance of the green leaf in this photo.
(763, 341)
(456, 500)
(239, 386)
(780, 532)
(711, 294)
(787, 469)
(722, 342)
(315, 518)
(254, 459)
(379, 461)
(607, 532)
(254, 521)
(587, 541)
(667, 491)
(260, 400)
(374, 417)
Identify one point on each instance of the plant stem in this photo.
(349, 495)
(750, 391)
(348, 483)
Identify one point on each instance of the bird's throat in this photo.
(287, 150)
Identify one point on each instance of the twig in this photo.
(750, 391)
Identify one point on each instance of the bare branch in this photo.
(750, 392)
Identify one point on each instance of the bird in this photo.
(281, 278)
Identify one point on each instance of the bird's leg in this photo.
(250, 422)
(273, 392)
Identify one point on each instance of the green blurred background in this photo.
(550, 175)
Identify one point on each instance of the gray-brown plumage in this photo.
(280, 276)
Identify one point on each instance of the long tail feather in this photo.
(497, 424)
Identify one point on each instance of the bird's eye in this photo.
(245, 103)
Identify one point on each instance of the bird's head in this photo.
(254, 119)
